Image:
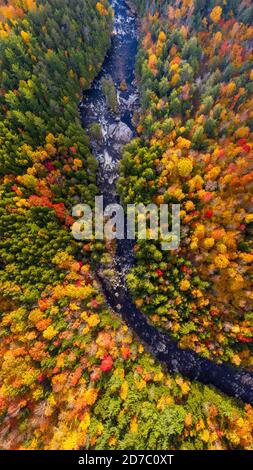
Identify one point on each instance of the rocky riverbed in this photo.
(114, 130)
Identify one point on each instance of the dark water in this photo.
(119, 64)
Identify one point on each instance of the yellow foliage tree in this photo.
(216, 14)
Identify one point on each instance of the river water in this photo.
(116, 130)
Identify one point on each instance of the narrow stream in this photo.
(118, 129)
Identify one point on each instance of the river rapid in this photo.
(116, 130)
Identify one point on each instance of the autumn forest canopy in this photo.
(72, 373)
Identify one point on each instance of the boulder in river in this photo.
(120, 133)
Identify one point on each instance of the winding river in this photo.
(117, 129)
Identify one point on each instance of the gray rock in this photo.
(120, 133)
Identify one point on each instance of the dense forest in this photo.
(194, 148)
(73, 375)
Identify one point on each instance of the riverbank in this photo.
(120, 66)
(73, 375)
